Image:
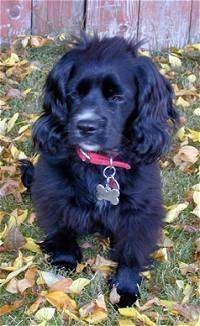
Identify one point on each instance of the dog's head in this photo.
(100, 95)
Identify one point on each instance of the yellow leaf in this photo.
(45, 314)
(174, 212)
(126, 322)
(78, 285)
(23, 128)
(27, 91)
(16, 154)
(132, 312)
(15, 273)
(160, 255)
(192, 78)
(181, 134)
(2, 103)
(182, 102)
(31, 245)
(197, 112)
(174, 61)
(194, 135)
(196, 46)
(62, 37)
(70, 314)
(61, 300)
(168, 304)
(12, 60)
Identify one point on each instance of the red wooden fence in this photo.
(162, 22)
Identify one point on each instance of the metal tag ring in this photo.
(106, 170)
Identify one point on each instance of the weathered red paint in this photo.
(164, 23)
(57, 16)
(15, 19)
(112, 17)
(195, 22)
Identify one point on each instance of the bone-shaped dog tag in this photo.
(106, 193)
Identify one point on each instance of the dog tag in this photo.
(106, 193)
(111, 190)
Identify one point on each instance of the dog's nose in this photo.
(87, 127)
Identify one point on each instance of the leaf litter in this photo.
(23, 274)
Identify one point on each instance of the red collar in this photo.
(99, 159)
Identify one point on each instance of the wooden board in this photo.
(52, 16)
(15, 19)
(164, 23)
(195, 22)
(112, 17)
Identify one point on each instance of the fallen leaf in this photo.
(103, 265)
(8, 308)
(31, 245)
(12, 286)
(126, 322)
(114, 296)
(181, 102)
(160, 255)
(174, 212)
(13, 93)
(197, 112)
(14, 239)
(78, 285)
(34, 307)
(149, 304)
(133, 313)
(174, 60)
(62, 285)
(194, 135)
(61, 300)
(187, 268)
(45, 314)
(94, 311)
(186, 157)
(192, 78)
(23, 284)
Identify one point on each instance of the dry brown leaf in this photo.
(34, 307)
(186, 157)
(14, 239)
(189, 312)
(9, 187)
(188, 268)
(8, 308)
(103, 265)
(197, 251)
(149, 304)
(114, 296)
(13, 93)
(160, 255)
(12, 286)
(62, 285)
(23, 285)
(94, 311)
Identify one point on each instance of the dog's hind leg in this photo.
(62, 249)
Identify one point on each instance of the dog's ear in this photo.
(47, 130)
(155, 118)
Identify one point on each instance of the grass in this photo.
(176, 185)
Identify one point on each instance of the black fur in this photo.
(102, 94)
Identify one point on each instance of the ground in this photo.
(29, 294)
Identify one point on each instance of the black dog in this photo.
(108, 117)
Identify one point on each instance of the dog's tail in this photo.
(27, 173)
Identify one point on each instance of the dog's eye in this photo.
(84, 87)
(117, 98)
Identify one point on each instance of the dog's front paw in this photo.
(64, 260)
(127, 281)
